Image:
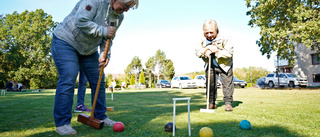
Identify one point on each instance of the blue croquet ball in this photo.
(245, 124)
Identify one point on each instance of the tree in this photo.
(169, 69)
(142, 79)
(108, 80)
(165, 68)
(285, 22)
(159, 65)
(134, 67)
(159, 59)
(150, 64)
(123, 78)
(132, 80)
(25, 41)
(251, 74)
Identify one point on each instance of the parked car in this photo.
(183, 82)
(302, 82)
(273, 79)
(237, 82)
(201, 81)
(163, 84)
(285, 80)
(261, 83)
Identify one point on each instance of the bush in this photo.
(132, 80)
(34, 83)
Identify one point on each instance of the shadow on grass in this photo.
(25, 110)
(144, 114)
(232, 129)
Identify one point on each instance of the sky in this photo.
(173, 26)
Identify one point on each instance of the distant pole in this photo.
(278, 72)
(251, 78)
(150, 80)
(154, 81)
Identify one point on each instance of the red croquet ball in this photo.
(118, 127)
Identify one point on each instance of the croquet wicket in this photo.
(3, 92)
(174, 114)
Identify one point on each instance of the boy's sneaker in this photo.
(108, 122)
(66, 130)
(82, 108)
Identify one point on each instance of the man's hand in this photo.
(207, 52)
(102, 63)
(111, 32)
(213, 48)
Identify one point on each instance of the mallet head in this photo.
(93, 122)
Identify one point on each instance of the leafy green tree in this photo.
(142, 79)
(134, 67)
(160, 58)
(284, 22)
(168, 69)
(240, 73)
(25, 41)
(108, 80)
(251, 74)
(160, 66)
(132, 80)
(150, 64)
(123, 78)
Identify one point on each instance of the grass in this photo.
(271, 112)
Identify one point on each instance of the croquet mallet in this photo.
(208, 91)
(90, 120)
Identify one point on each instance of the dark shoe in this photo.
(211, 106)
(228, 107)
(82, 108)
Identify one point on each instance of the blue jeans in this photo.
(81, 88)
(67, 61)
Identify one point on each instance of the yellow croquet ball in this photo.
(206, 132)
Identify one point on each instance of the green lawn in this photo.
(284, 112)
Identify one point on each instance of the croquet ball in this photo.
(118, 127)
(245, 124)
(206, 132)
(169, 127)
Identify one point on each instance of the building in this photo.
(307, 65)
(283, 65)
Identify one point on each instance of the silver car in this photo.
(285, 80)
(296, 81)
(183, 82)
(201, 81)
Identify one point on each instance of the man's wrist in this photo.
(206, 51)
